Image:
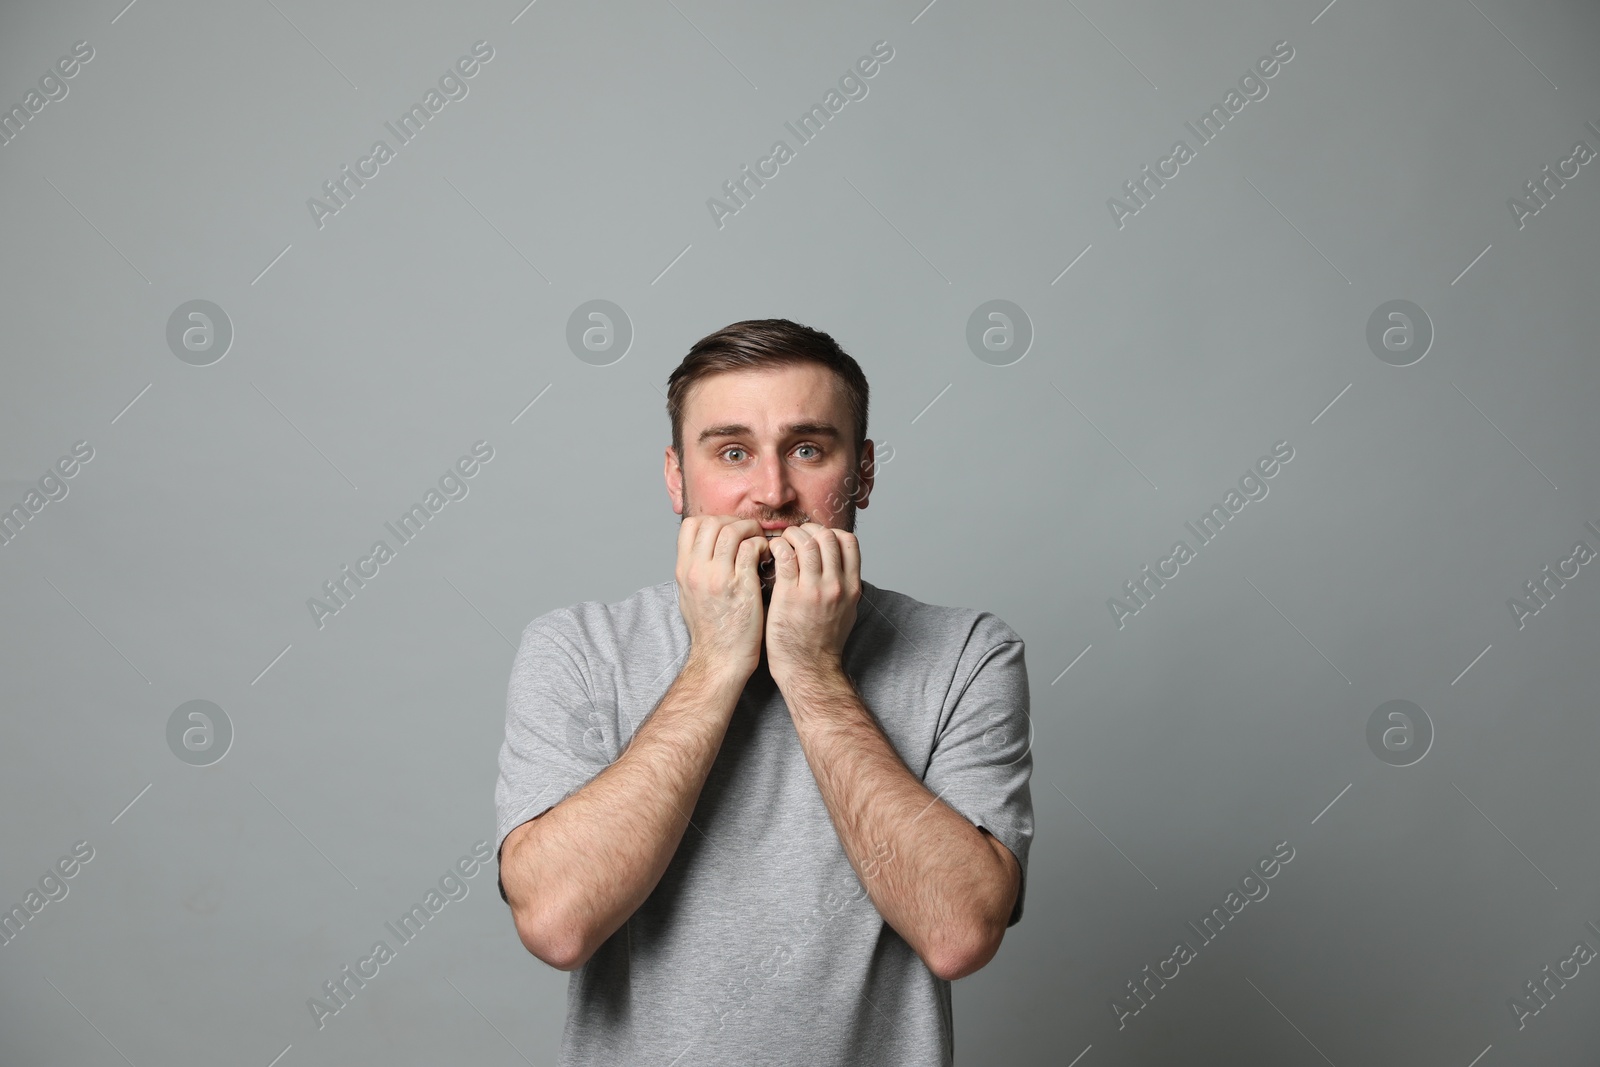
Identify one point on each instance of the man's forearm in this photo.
(577, 873)
(931, 874)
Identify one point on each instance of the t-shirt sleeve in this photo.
(982, 758)
(556, 739)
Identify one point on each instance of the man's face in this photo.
(773, 444)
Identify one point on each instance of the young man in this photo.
(765, 812)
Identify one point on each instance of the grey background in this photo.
(1229, 314)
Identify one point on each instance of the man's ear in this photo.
(672, 470)
(864, 473)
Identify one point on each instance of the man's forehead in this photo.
(756, 401)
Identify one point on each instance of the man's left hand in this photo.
(814, 595)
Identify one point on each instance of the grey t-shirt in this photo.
(760, 944)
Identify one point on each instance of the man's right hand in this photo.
(719, 591)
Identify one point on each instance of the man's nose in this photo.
(770, 485)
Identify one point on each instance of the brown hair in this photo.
(761, 343)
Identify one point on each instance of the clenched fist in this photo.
(719, 591)
(814, 596)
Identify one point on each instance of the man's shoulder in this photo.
(587, 622)
(962, 626)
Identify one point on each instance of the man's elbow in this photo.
(542, 924)
(565, 959)
(552, 941)
(984, 931)
(973, 956)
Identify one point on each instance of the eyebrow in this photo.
(794, 429)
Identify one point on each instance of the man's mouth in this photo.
(767, 569)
